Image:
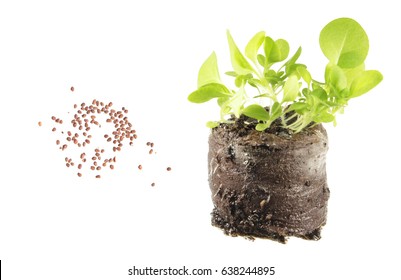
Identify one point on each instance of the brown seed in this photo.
(87, 141)
(102, 150)
(147, 143)
(104, 164)
(72, 164)
(93, 158)
(53, 118)
(68, 138)
(79, 175)
(61, 122)
(67, 164)
(150, 151)
(39, 123)
(97, 176)
(75, 106)
(168, 168)
(92, 167)
(153, 184)
(57, 142)
(79, 166)
(69, 133)
(72, 89)
(140, 167)
(111, 166)
(98, 168)
(152, 144)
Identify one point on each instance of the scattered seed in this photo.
(72, 89)
(79, 166)
(111, 166)
(168, 168)
(97, 176)
(153, 184)
(39, 123)
(140, 167)
(57, 142)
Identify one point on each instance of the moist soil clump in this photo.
(269, 184)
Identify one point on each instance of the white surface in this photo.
(145, 55)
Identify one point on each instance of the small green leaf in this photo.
(261, 126)
(275, 111)
(211, 124)
(268, 46)
(251, 49)
(280, 51)
(238, 61)
(256, 112)
(261, 60)
(352, 73)
(344, 42)
(323, 117)
(304, 73)
(207, 92)
(209, 72)
(366, 81)
(300, 108)
(335, 77)
(291, 89)
(294, 58)
(231, 73)
(236, 102)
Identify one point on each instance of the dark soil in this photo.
(268, 184)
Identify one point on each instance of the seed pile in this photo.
(88, 123)
(85, 119)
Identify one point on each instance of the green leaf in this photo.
(231, 73)
(344, 42)
(207, 92)
(209, 72)
(261, 60)
(238, 61)
(251, 49)
(294, 58)
(304, 73)
(211, 124)
(236, 102)
(323, 117)
(365, 82)
(268, 46)
(291, 89)
(300, 108)
(335, 77)
(352, 73)
(261, 126)
(279, 51)
(275, 111)
(256, 112)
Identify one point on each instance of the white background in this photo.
(145, 55)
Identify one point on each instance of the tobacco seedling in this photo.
(283, 88)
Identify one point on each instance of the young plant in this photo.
(283, 88)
